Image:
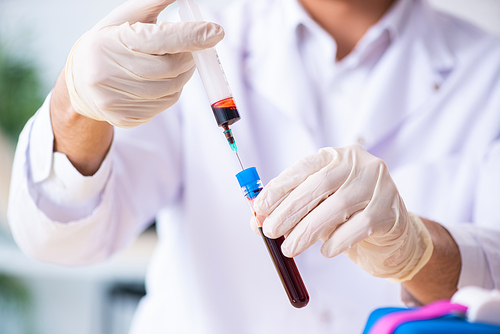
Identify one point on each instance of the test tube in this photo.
(213, 77)
(251, 185)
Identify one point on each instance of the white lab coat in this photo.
(431, 110)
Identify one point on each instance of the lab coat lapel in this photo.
(415, 63)
(276, 73)
(408, 74)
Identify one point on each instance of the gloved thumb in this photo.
(256, 223)
(168, 37)
(132, 11)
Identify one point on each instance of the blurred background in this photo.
(35, 38)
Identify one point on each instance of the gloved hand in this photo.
(346, 198)
(128, 69)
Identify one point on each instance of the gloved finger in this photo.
(367, 223)
(108, 42)
(133, 11)
(153, 67)
(323, 220)
(274, 192)
(140, 109)
(168, 37)
(254, 225)
(355, 230)
(306, 196)
(138, 88)
(382, 194)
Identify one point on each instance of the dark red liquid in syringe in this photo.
(288, 272)
(225, 112)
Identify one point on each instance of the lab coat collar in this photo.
(407, 76)
(403, 18)
(416, 63)
(272, 69)
(394, 20)
(273, 64)
(396, 17)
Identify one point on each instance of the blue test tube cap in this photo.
(249, 181)
(248, 176)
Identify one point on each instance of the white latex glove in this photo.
(128, 69)
(346, 198)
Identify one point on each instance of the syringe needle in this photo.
(242, 168)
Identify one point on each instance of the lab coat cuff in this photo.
(475, 268)
(41, 143)
(66, 186)
(54, 175)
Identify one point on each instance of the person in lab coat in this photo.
(416, 201)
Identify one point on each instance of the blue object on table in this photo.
(447, 324)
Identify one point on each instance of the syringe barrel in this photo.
(207, 61)
(211, 73)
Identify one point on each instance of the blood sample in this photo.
(225, 112)
(287, 270)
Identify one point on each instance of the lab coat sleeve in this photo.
(479, 243)
(478, 255)
(476, 258)
(57, 215)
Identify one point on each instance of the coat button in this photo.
(361, 140)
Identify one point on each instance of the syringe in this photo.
(213, 78)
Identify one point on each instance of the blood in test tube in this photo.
(287, 269)
(288, 272)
